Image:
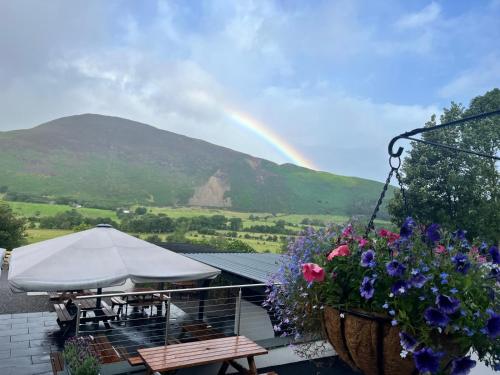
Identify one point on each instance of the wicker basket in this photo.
(368, 343)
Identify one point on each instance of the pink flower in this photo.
(440, 249)
(391, 237)
(361, 241)
(347, 231)
(341, 251)
(481, 259)
(313, 272)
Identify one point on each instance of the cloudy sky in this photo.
(334, 80)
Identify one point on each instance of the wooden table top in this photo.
(176, 356)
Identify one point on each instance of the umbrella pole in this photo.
(203, 297)
(98, 301)
(159, 309)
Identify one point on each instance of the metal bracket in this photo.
(409, 135)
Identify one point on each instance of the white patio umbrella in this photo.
(98, 258)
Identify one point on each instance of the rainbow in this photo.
(270, 137)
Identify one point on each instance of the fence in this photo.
(121, 323)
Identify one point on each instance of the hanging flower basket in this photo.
(420, 301)
(366, 342)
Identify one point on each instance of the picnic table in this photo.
(224, 350)
(145, 300)
(66, 318)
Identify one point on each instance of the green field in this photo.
(262, 245)
(41, 209)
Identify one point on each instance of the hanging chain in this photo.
(394, 170)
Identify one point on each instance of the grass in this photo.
(39, 209)
(37, 235)
(42, 209)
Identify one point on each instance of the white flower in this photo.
(440, 329)
(391, 295)
(342, 315)
(403, 353)
(401, 290)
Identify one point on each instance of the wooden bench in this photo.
(57, 362)
(65, 320)
(120, 302)
(225, 350)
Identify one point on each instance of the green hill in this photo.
(104, 161)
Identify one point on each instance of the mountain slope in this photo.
(110, 161)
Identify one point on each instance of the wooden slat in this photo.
(135, 361)
(203, 345)
(177, 356)
(57, 362)
(62, 312)
(211, 356)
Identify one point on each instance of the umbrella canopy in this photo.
(98, 258)
(2, 254)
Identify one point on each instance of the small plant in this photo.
(434, 287)
(79, 356)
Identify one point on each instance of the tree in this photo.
(141, 210)
(455, 189)
(235, 224)
(12, 228)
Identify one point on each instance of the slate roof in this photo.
(253, 266)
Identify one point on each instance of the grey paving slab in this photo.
(5, 316)
(4, 340)
(14, 362)
(19, 319)
(19, 315)
(14, 345)
(4, 354)
(28, 352)
(35, 314)
(14, 332)
(35, 343)
(22, 337)
(30, 369)
(45, 358)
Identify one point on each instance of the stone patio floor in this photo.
(26, 340)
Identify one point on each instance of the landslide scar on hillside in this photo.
(212, 193)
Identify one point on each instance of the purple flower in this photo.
(399, 287)
(366, 289)
(495, 273)
(407, 342)
(462, 366)
(461, 263)
(459, 234)
(418, 281)
(495, 255)
(493, 325)
(368, 258)
(447, 304)
(407, 227)
(394, 268)
(426, 360)
(435, 317)
(432, 233)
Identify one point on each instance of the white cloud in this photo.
(282, 64)
(475, 81)
(421, 18)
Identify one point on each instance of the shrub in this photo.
(79, 356)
